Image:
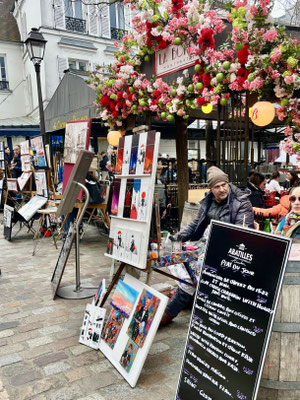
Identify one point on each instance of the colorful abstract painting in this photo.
(128, 355)
(142, 318)
(124, 298)
(112, 328)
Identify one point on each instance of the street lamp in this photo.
(35, 44)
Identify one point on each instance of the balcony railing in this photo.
(4, 85)
(75, 24)
(117, 33)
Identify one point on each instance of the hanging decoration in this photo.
(113, 137)
(262, 113)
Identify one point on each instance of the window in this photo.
(117, 21)
(3, 75)
(78, 65)
(74, 15)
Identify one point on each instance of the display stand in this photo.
(77, 291)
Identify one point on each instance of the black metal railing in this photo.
(4, 85)
(117, 33)
(75, 24)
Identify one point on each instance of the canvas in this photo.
(131, 368)
(143, 201)
(38, 150)
(141, 154)
(135, 199)
(25, 147)
(120, 153)
(129, 354)
(132, 247)
(41, 183)
(110, 246)
(124, 298)
(112, 328)
(128, 198)
(148, 165)
(23, 179)
(29, 209)
(26, 163)
(126, 155)
(143, 316)
(100, 293)
(90, 332)
(119, 243)
(76, 139)
(122, 197)
(115, 197)
(133, 154)
(12, 184)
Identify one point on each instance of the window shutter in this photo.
(62, 66)
(24, 32)
(59, 14)
(104, 21)
(93, 20)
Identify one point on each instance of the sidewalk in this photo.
(40, 357)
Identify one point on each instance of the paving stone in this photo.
(39, 341)
(44, 310)
(66, 393)
(65, 343)
(35, 352)
(80, 349)
(77, 373)
(9, 359)
(56, 368)
(50, 358)
(29, 327)
(7, 333)
(98, 381)
(26, 377)
(158, 348)
(85, 359)
(14, 348)
(94, 396)
(50, 329)
(8, 325)
(3, 342)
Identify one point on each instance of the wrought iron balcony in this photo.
(4, 85)
(117, 34)
(75, 24)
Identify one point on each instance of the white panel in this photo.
(59, 20)
(104, 21)
(93, 20)
(62, 65)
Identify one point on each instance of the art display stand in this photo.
(77, 291)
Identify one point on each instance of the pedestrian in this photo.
(224, 202)
(292, 180)
(257, 184)
(290, 225)
(7, 155)
(103, 162)
(273, 184)
(15, 166)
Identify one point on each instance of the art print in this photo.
(23, 179)
(143, 201)
(38, 150)
(124, 298)
(133, 246)
(126, 155)
(143, 317)
(135, 199)
(41, 183)
(141, 154)
(29, 209)
(128, 355)
(26, 163)
(128, 198)
(12, 184)
(120, 153)
(148, 159)
(133, 154)
(25, 147)
(119, 243)
(110, 246)
(122, 198)
(100, 293)
(115, 197)
(76, 139)
(90, 332)
(112, 328)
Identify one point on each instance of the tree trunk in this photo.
(182, 163)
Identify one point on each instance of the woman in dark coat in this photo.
(257, 183)
(292, 180)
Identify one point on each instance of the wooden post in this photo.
(210, 145)
(182, 163)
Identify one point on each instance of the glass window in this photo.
(121, 16)
(68, 8)
(78, 65)
(82, 66)
(72, 64)
(78, 9)
(112, 15)
(2, 69)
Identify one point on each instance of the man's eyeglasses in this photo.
(294, 198)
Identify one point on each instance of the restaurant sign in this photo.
(172, 59)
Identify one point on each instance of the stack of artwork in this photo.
(131, 326)
(90, 332)
(132, 196)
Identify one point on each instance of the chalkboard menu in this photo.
(233, 313)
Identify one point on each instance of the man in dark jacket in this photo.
(225, 202)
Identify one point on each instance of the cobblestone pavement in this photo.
(40, 357)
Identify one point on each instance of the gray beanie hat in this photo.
(215, 175)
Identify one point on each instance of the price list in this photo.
(233, 314)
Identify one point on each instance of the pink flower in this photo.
(270, 36)
(288, 131)
(289, 79)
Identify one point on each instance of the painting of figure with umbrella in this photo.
(142, 318)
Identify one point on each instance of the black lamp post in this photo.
(36, 48)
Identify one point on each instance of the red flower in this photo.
(206, 39)
(120, 95)
(242, 55)
(105, 100)
(162, 44)
(206, 78)
(149, 43)
(201, 101)
(112, 106)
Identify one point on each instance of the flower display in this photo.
(259, 57)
